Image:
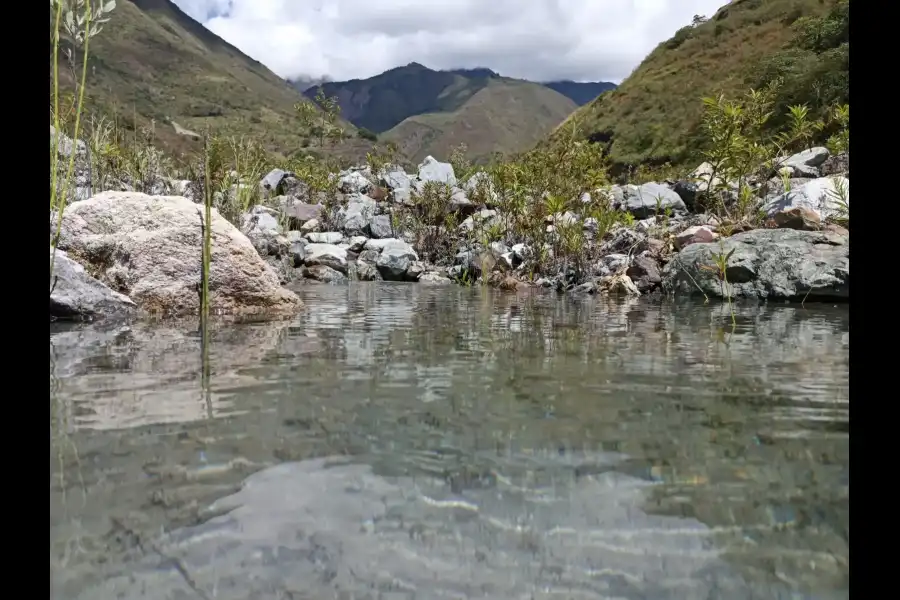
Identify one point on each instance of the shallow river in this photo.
(402, 441)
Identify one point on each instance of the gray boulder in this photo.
(324, 273)
(806, 163)
(432, 169)
(329, 255)
(776, 264)
(260, 225)
(272, 182)
(394, 261)
(78, 296)
(150, 248)
(353, 182)
(326, 237)
(380, 227)
(356, 216)
(301, 213)
(644, 273)
(367, 271)
(646, 200)
(824, 196)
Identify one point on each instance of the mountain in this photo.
(654, 115)
(505, 115)
(580, 93)
(381, 102)
(155, 62)
(425, 111)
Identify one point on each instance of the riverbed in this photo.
(415, 441)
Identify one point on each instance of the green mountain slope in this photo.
(381, 102)
(154, 62)
(654, 115)
(506, 115)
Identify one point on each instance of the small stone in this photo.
(698, 234)
(799, 217)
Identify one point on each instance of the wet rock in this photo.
(434, 278)
(776, 264)
(824, 196)
(78, 296)
(611, 263)
(366, 271)
(329, 255)
(698, 234)
(297, 247)
(644, 273)
(150, 248)
(394, 261)
(588, 287)
(646, 200)
(415, 271)
(617, 285)
(324, 273)
(369, 256)
(799, 217)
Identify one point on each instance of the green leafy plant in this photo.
(320, 117)
(720, 269)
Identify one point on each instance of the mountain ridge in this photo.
(383, 101)
(654, 115)
(154, 67)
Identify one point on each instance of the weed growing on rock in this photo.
(720, 269)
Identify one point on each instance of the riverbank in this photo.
(135, 246)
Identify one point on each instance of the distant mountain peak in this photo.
(477, 72)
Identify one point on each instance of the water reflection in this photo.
(642, 450)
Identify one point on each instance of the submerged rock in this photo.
(150, 247)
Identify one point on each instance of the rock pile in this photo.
(144, 250)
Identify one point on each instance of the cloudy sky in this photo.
(541, 40)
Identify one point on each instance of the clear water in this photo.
(403, 441)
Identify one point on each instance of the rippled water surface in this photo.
(402, 441)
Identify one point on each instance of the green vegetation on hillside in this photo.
(506, 116)
(654, 116)
(155, 68)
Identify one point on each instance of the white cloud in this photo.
(583, 40)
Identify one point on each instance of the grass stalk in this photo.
(58, 200)
(207, 236)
